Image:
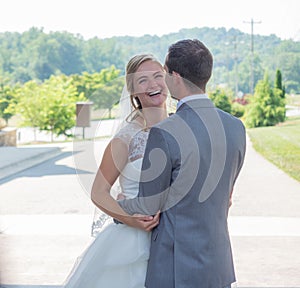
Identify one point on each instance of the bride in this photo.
(118, 256)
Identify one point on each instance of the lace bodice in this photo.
(137, 146)
(136, 139)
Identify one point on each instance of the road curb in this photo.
(24, 158)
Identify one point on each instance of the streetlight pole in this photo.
(252, 53)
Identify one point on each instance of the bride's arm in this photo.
(114, 160)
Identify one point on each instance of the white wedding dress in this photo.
(118, 256)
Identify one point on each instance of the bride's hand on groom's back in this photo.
(144, 222)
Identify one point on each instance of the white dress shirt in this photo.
(191, 97)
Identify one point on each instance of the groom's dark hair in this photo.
(192, 60)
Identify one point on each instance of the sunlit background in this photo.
(104, 19)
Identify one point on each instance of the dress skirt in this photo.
(117, 258)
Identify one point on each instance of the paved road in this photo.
(46, 216)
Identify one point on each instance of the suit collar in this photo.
(196, 103)
(191, 97)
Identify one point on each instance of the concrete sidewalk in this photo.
(264, 224)
(16, 159)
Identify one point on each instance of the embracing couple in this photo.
(176, 175)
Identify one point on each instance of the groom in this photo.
(191, 163)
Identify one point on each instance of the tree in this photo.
(266, 107)
(288, 60)
(99, 54)
(106, 91)
(278, 83)
(245, 73)
(69, 53)
(290, 64)
(27, 104)
(49, 106)
(6, 96)
(47, 59)
(35, 54)
(59, 97)
(107, 95)
(222, 99)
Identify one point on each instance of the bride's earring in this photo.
(138, 103)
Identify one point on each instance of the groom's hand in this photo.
(145, 222)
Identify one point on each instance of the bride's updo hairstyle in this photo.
(131, 68)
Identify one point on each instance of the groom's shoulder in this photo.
(168, 122)
(168, 126)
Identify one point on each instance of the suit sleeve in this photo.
(155, 177)
(242, 150)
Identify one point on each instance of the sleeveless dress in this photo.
(119, 254)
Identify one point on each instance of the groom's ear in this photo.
(177, 79)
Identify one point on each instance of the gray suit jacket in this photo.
(191, 162)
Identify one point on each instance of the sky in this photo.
(108, 18)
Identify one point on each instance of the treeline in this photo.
(36, 55)
(50, 105)
(42, 76)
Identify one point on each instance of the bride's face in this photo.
(149, 85)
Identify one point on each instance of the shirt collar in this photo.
(191, 97)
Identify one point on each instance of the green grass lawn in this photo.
(280, 145)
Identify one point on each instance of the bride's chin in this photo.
(159, 100)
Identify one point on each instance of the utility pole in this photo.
(235, 57)
(235, 43)
(252, 53)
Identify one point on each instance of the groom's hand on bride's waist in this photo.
(144, 222)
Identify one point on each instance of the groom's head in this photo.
(192, 62)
